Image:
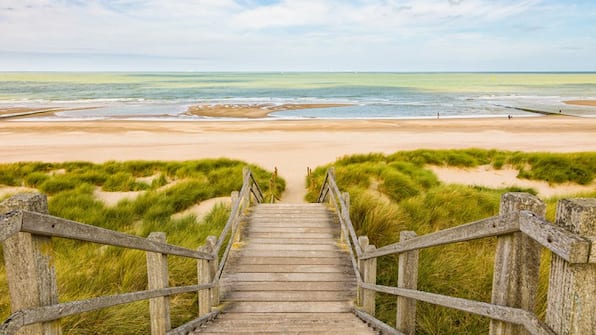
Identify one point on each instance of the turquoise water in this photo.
(371, 95)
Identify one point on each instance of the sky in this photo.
(297, 35)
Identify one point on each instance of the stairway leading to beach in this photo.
(289, 276)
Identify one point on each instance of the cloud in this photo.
(305, 34)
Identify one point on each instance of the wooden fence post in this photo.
(157, 277)
(238, 236)
(205, 277)
(571, 307)
(407, 277)
(346, 197)
(363, 242)
(368, 270)
(517, 263)
(29, 265)
(213, 266)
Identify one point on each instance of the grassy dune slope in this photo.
(396, 192)
(87, 270)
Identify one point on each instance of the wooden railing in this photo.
(522, 232)
(26, 232)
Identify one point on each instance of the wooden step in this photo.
(291, 286)
(289, 296)
(289, 307)
(289, 276)
(288, 268)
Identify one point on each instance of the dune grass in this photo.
(88, 270)
(391, 193)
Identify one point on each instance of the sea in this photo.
(166, 96)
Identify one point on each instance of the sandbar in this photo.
(249, 111)
(289, 145)
(581, 102)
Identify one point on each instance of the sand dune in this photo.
(290, 145)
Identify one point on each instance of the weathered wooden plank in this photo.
(47, 225)
(488, 227)
(291, 235)
(193, 324)
(290, 261)
(291, 277)
(289, 253)
(258, 229)
(376, 323)
(288, 268)
(259, 317)
(289, 307)
(571, 247)
(496, 312)
(290, 286)
(291, 247)
(54, 312)
(320, 241)
(289, 296)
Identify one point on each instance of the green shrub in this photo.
(58, 183)
(123, 182)
(35, 179)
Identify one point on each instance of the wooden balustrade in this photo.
(26, 232)
(522, 232)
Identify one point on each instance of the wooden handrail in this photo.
(52, 226)
(41, 225)
(569, 247)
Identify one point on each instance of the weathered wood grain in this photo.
(571, 247)
(47, 225)
(517, 263)
(157, 277)
(571, 306)
(407, 277)
(496, 312)
(492, 226)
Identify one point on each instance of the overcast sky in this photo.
(298, 35)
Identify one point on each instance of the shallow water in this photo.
(372, 95)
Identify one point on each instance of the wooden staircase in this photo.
(290, 276)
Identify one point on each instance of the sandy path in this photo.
(292, 146)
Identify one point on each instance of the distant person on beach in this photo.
(437, 115)
(509, 116)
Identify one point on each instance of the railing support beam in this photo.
(368, 271)
(517, 263)
(571, 307)
(157, 277)
(29, 266)
(407, 277)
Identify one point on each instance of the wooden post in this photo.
(368, 269)
(342, 235)
(571, 307)
(517, 263)
(363, 242)
(157, 277)
(213, 266)
(407, 277)
(238, 236)
(205, 277)
(30, 266)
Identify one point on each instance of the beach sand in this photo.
(289, 145)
